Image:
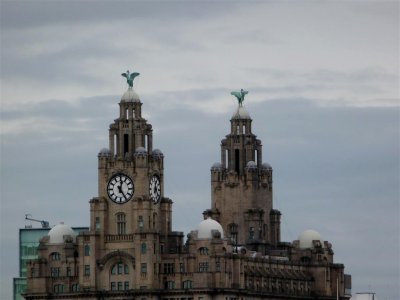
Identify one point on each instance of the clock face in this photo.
(120, 188)
(155, 189)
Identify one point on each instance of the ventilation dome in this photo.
(307, 237)
(59, 232)
(206, 228)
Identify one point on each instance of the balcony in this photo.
(119, 237)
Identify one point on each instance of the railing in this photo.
(118, 237)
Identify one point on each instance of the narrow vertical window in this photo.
(141, 223)
(126, 143)
(87, 250)
(121, 223)
(146, 142)
(237, 160)
(115, 144)
(97, 224)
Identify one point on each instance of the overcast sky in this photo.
(323, 81)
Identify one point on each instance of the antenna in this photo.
(45, 224)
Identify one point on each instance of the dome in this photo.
(241, 113)
(58, 232)
(130, 96)
(206, 227)
(251, 165)
(104, 152)
(307, 237)
(266, 166)
(140, 151)
(216, 167)
(157, 153)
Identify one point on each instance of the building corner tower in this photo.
(241, 187)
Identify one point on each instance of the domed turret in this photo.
(130, 96)
(307, 237)
(241, 113)
(59, 232)
(251, 166)
(266, 167)
(140, 151)
(205, 229)
(216, 167)
(157, 154)
(104, 152)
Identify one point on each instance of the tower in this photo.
(241, 186)
(130, 218)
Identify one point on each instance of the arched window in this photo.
(119, 277)
(55, 256)
(121, 223)
(86, 250)
(203, 250)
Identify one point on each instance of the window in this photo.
(75, 287)
(121, 223)
(203, 267)
(141, 223)
(126, 285)
(119, 285)
(143, 268)
(188, 284)
(170, 285)
(97, 224)
(182, 267)
(251, 233)
(113, 286)
(143, 248)
(203, 251)
(55, 256)
(119, 268)
(217, 265)
(55, 272)
(86, 250)
(169, 268)
(69, 273)
(87, 270)
(58, 288)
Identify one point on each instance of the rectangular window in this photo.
(119, 285)
(182, 267)
(97, 225)
(203, 267)
(87, 270)
(113, 286)
(141, 222)
(143, 268)
(69, 273)
(126, 143)
(55, 272)
(126, 285)
(169, 268)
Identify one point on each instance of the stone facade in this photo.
(130, 251)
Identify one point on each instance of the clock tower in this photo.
(241, 187)
(130, 226)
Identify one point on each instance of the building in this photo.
(28, 249)
(131, 252)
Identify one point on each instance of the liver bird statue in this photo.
(240, 95)
(130, 77)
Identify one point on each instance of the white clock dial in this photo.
(120, 188)
(155, 189)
